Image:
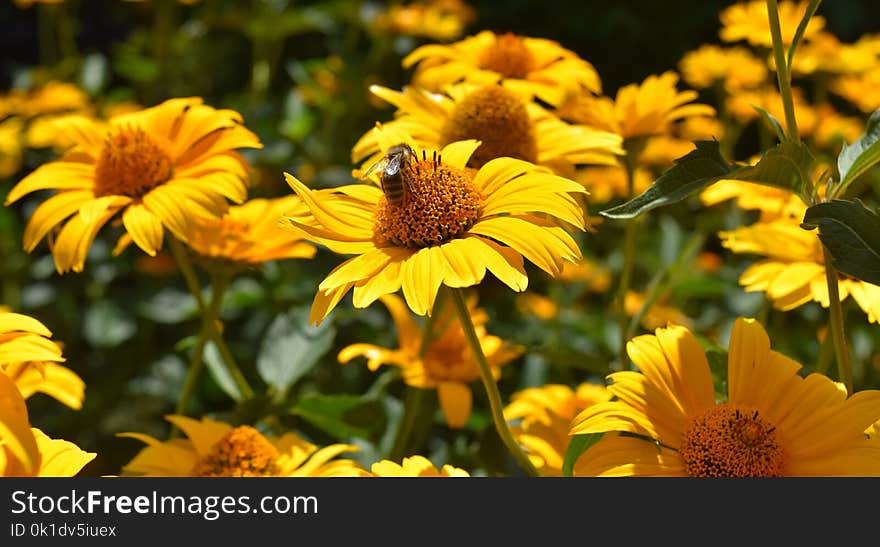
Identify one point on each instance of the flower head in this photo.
(637, 110)
(441, 20)
(415, 466)
(538, 67)
(737, 68)
(773, 422)
(217, 449)
(748, 21)
(451, 226)
(446, 364)
(156, 169)
(793, 272)
(507, 124)
(545, 415)
(249, 234)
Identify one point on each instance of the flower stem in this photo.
(782, 70)
(495, 404)
(213, 331)
(835, 324)
(630, 236)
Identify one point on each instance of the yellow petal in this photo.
(145, 228)
(456, 400)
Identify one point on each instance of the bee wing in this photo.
(393, 163)
(379, 164)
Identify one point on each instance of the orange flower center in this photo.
(499, 119)
(131, 164)
(509, 56)
(243, 452)
(731, 441)
(449, 357)
(439, 203)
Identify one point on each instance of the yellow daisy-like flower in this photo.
(833, 128)
(26, 451)
(506, 123)
(605, 183)
(771, 202)
(793, 272)
(249, 234)
(861, 90)
(32, 361)
(157, 169)
(11, 148)
(741, 107)
(773, 423)
(446, 365)
(442, 20)
(748, 21)
(217, 449)
(545, 415)
(637, 110)
(452, 225)
(538, 67)
(825, 53)
(415, 466)
(737, 67)
(658, 315)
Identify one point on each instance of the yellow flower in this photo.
(741, 107)
(638, 110)
(542, 307)
(447, 364)
(156, 168)
(452, 225)
(774, 422)
(656, 316)
(862, 90)
(54, 97)
(217, 449)
(538, 67)
(833, 129)
(415, 466)
(32, 361)
(793, 272)
(595, 275)
(751, 196)
(749, 21)
(505, 122)
(736, 67)
(26, 451)
(605, 183)
(824, 53)
(545, 415)
(249, 234)
(10, 146)
(441, 20)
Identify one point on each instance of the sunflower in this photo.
(156, 168)
(217, 449)
(507, 124)
(748, 21)
(32, 361)
(26, 451)
(545, 415)
(774, 422)
(249, 234)
(452, 225)
(446, 364)
(637, 110)
(415, 466)
(794, 271)
(736, 68)
(535, 66)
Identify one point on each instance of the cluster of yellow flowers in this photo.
(496, 147)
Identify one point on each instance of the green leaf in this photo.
(220, 373)
(577, 446)
(771, 122)
(342, 416)
(786, 166)
(801, 28)
(692, 172)
(855, 159)
(291, 348)
(851, 233)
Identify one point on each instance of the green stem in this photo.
(494, 396)
(782, 70)
(163, 26)
(192, 283)
(835, 323)
(630, 236)
(826, 353)
(415, 397)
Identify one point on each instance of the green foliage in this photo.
(576, 447)
(851, 232)
(857, 158)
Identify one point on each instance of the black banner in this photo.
(392, 511)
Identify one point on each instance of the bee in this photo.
(392, 177)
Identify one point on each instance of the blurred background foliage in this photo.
(299, 73)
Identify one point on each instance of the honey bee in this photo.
(392, 178)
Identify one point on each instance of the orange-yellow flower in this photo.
(156, 169)
(774, 422)
(748, 21)
(737, 68)
(538, 67)
(415, 466)
(446, 364)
